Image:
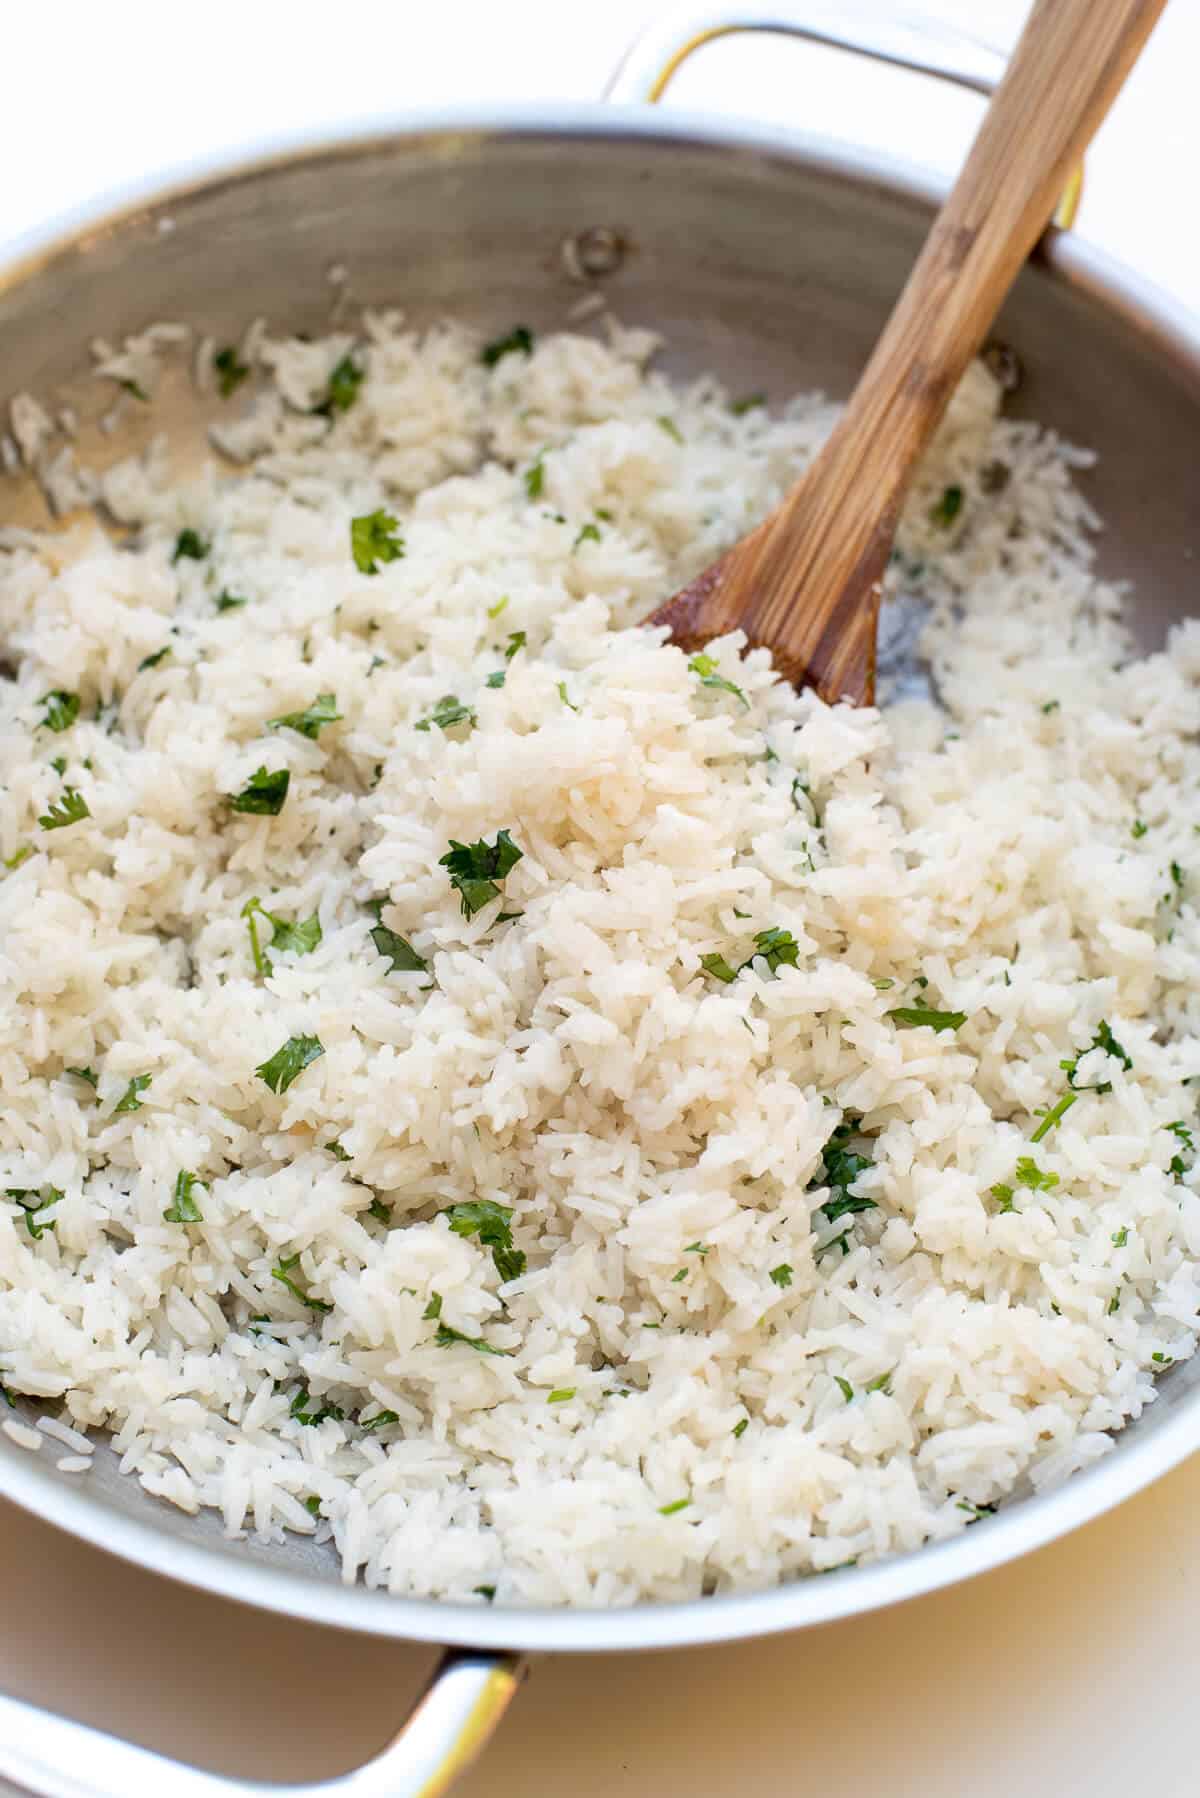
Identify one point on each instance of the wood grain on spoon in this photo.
(806, 582)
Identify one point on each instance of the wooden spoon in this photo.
(806, 583)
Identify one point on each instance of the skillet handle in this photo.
(906, 40)
(465, 1699)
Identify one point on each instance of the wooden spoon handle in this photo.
(818, 556)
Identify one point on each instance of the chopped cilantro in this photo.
(448, 712)
(840, 1168)
(777, 947)
(379, 1211)
(69, 809)
(718, 967)
(747, 403)
(59, 764)
(740, 1428)
(31, 1202)
(782, 1275)
(1103, 1039)
(1030, 1175)
(446, 1337)
(976, 1511)
(129, 1100)
(183, 1208)
(308, 723)
(560, 1395)
(152, 661)
(434, 1308)
(18, 856)
(312, 1505)
(229, 602)
(189, 546)
(287, 1063)
(535, 476)
(882, 1384)
(519, 338)
(88, 1074)
(1114, 1303)
(7, 1397)
(1053, 1116)
(705, 668)
(298, 938)
(492, 1224)
(398, 950)
(300, 1408)
(500, 605)
(283, 1273)
(916, 1017)
(380, 1421)
(1051, 705)
(264, 793)
(948, 507)
(335, 1149)
(345, 379)
(1138, 829)
(1120, 1237)
(135, 390)
(478, 870)
(496, 678)
(231, 370)
(678, 1504)
(883, 986)
(670, 427)
(844, 1387)
(1162, 1360)
(1003, 1196)
(375, 538)
(697, 1248)
(62, 709)
(588, 533)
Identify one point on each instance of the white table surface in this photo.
(1070, 1673)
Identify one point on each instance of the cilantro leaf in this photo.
(264, 793)
(229, 602)
(492, 1224)
(1053, 1116)
(129, 1100)
(304, 1411)
(345, 379)
(69, 809)
(380, 1421)
(31, 1202)
(434, 1308)
(231, 370)
(308, 723)
(1030, 1175)
(189, 546)
(777, 947)
(477, 870)
(844, 1387)
(840, 1168)
(747, 403)
(535, 476)
(448, 712)
(289, 1062)
(588, 533)
(447, 1337)
(378, 1210)
(916, 1017)
(18, 856)
(1138, 829)
(1003, 1196)
(62, 709)
(183, 1208)
(782, 1275)
(152, 661)
(519, 338)
(560, 1395)
(678, 1504)
(718, 967)
(740, 1427)
(948, 507)
(1103, 1039)
(705, 668)
(562, 694)
(283, 1273)
(88, 1074)
(375, 538)
(670, 427)
(399, 951)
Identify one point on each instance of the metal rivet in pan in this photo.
(591, 254)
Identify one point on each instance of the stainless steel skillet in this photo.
(773, 258)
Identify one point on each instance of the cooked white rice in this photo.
(701, 1380)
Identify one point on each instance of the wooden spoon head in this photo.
(819, 622)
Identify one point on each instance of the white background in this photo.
(1071, 1673)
